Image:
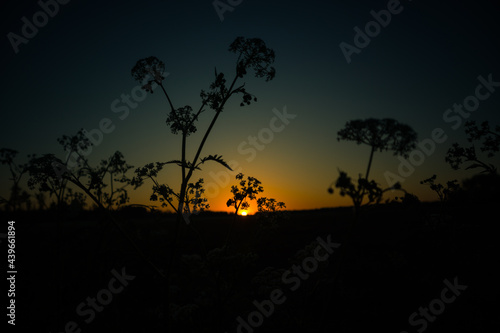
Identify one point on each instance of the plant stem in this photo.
(168, 98)
(369, 163)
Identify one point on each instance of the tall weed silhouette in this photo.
(489, 143)
(252, 54)
(381, 135)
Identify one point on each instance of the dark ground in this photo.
(395, 263)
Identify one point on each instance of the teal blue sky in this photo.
(428, 57)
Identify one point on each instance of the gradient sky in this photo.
(426, 59)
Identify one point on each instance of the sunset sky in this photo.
(75, 71)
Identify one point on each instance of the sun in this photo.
(244, 213)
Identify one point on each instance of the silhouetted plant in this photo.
(252, 54)
(363, 189)
(75, 200)
(408, 199)
(193, 198)
(44, 178)
(53, 175)
(265, 205)
(17, 197)
(481, 188)
(380, 135)
(115, 167)
(444, 192)
(270, 211)
(489, 143)
(248, 190)
(41, 200)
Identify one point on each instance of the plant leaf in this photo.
(474, 166)
(215, 158)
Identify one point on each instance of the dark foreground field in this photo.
(405, 268)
